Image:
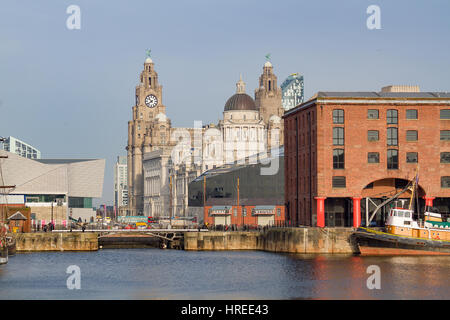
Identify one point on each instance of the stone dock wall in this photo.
(289, 240)
(56, 241)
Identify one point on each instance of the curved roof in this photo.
(240, 101)
(161, 117)
(275, 118)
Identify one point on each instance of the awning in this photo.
(220, 210)
(264, 210)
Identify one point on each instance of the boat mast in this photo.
(3, 187)
(414, 187)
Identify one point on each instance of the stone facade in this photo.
(240, 134)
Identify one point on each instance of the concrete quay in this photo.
(287, 240)
(56, 241)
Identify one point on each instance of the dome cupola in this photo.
(240, 100)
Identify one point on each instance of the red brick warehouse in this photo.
(343, 149)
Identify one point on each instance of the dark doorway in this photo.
(338, 212)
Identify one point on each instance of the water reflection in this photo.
(170, 274)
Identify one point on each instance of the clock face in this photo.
(151, 101)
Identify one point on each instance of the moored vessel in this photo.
(405, 233)
(3, 245)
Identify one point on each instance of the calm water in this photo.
(173, 274)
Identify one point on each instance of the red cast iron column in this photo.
(356, 212)
(320, 211)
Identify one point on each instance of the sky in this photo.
(69, 92)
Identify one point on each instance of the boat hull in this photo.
(3, 255)
(371, 242)
(11, 244)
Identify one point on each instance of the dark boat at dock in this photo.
(405, 234)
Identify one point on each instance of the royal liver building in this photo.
(162, 159)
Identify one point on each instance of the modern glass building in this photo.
(120, 182)
(21, 148)
(292, 91)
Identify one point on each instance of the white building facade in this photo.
(21, 148)
(54, 188)
(121, 182)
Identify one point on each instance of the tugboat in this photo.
(403, 235)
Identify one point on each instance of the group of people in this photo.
(48, 227)
(235, 227)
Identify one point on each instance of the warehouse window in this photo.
(372, 135)
(372, 114)
(338, 159)
(445, 182)
(445, 157)
(445, 114)
(373, 157)
(338, 182)
(392, 116)
(392, 136)
(445, 134)
(411, 114)
(411, 135)
(412, 157)
(244, 212)
(392, 159)
(338, 116)
(338, 136)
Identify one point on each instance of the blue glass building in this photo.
(292, 91)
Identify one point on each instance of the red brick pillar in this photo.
(320, 209)
(356, 212)
(428, 201)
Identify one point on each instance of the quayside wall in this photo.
(288, 240)
(56, 241)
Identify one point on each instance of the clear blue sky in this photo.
(70, 92)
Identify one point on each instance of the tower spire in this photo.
(240, 85)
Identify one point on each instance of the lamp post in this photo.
(52, 214)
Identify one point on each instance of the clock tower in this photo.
(268, 103)
(143, 134)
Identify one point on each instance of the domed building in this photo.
(249, 126)
(242, 126)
